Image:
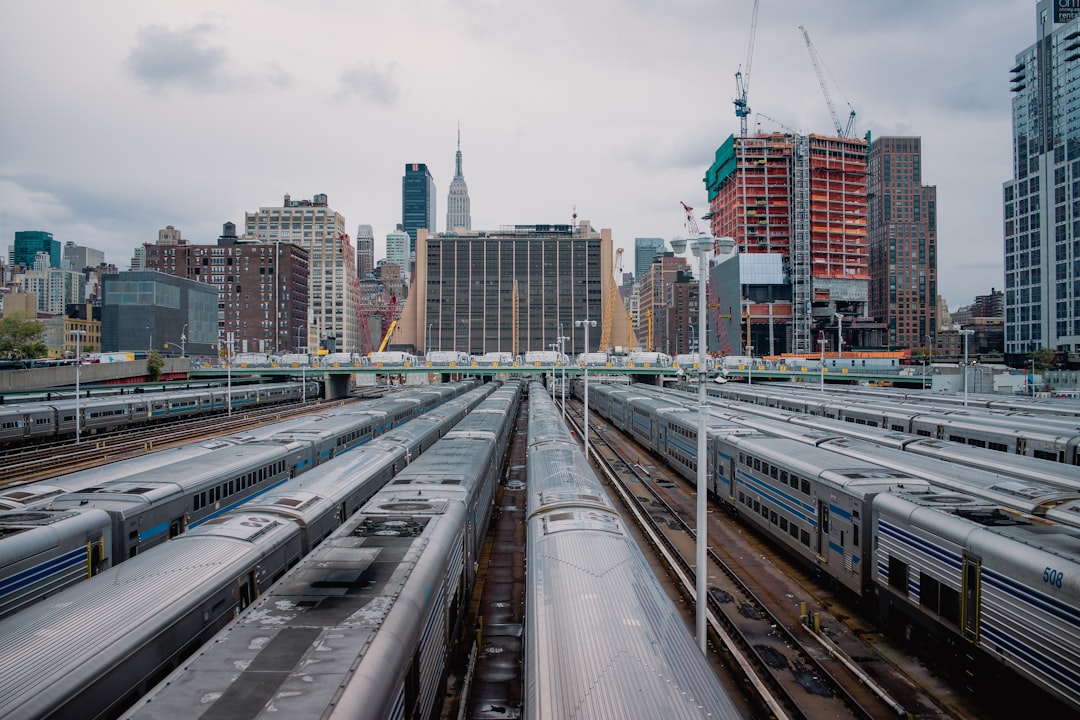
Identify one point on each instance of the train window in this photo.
(841, 538)
(783, 524)
(765, 512)
(773, 472)
(805, 486)
(804, 538)
(794, 531)
(956, 438)
(977, 443)
(855, 536)
(772, 517)
(757, 506)
(757, 464)
(742, 459)
(898, 428)
(1000, 447)
(1045, 455)
(924, 433)
(898, 574)
(784, 476)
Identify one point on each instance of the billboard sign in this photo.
(1066, 10)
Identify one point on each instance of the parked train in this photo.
(55, 541)
(95, 648)
(1020, 434)
(364, 625)
(53, 419)
(824, 507)
(602, 637)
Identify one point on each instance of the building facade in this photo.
(146, 310)
(516, 289)
(417, 201)
(77, 257)
(398, 251)
(458, 214)
(655, 297)
(902, 233)
(262, 289)
(365, 251)
(1042, 199)
(645, 251)
(27, 245)
(334, 287)
(802, 198)
(55, 288)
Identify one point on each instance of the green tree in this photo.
(20, 338)
(1045, 358)
(154, 363)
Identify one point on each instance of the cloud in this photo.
(162, 58)
(370, 83)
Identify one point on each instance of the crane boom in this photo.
(818, 65)
(742, 80)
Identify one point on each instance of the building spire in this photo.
(457, 203)
(457, 158)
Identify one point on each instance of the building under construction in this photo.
(800, 199)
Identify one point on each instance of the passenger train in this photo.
(602, 637)
(54, 540)
(364, 626)
(92, 650)
(970, 576)
(56, 419)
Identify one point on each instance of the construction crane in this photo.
(844, 132)
(742, 80)
(713, 304)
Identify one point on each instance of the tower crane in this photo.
(711, 300)
(844, 132)
(742, 81)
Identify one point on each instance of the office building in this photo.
(645, 251)
(902, 233)
(334, 288)
(417, 201)
(54, 287)
(1042, 199)
(148, 310)
(365, 251)
(79, 258)
(397, 250)
(262, 288)
(27, 245)
(457, 200)
(513, 290)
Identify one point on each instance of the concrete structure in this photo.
(262, 289)
(478, 290)
(144, 310)
(27, 245)
(803, 198)
(458, 214)
(334, 288)
(417, 201)
(903, 243)
(1042, 199)
(365, 250)
(170, 235)
(79, 258)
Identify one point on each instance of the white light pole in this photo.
(700, 247)
(585, 429)
(228, 371)
(78, 368)
(427, 348)
(966, 332)
(821, 343)
(554, 357)
(183, 341)
(839, 335)
(562, 352)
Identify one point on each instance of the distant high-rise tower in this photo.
(28, 243)
(902, 230)
(417, 201)
(457, 201)
(1042, 237)
(365, 251)
(645, 251)
(397, 250)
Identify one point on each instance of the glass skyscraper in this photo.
(417, 201)
(1042, 200)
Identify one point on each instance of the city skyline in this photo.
(178, 114)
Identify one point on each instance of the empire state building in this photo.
(457, 201)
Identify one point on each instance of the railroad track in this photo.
(792, 673)
(27, 465)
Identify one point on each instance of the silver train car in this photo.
(134, 623)
(376, 605)
(965, 578)
(602, 637)
(154, 497)
(56, 419)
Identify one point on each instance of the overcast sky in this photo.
(121, 117)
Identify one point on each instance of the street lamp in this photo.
(700, 247)
(183, 341)
(839, 335)
(228, 371)
(966, 332)
(554, 347)
(427, 347)
(78, 368)
(562, 359)
(821, 343)
(586, 324)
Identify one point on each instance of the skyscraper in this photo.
(645, 251)
(1042, 220)
(365, 251)
(417, 201)
(902, 232)
(28, 243)
(457, 200)
(397, 250)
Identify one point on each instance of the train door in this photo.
(95, 559)
(823, 530)
(247, 590)
(972, 591)
(177, 526)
